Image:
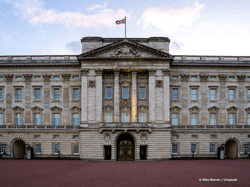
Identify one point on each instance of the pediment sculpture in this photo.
(126, 51)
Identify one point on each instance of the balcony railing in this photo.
(211, 58)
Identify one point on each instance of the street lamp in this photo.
(245, 145)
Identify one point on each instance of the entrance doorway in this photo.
(231, 149)
(107, 153)
(125, 147)
(143, 152)
(18, 149)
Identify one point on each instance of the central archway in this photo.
(18, 149)
(125, 148)
(231, 149)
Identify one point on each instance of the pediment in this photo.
(213, 109)
(18, 109)
(194, 109)
(125, 49)
(36, 108)
(232, 109)
(175, 109)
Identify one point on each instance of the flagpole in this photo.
(125, 26)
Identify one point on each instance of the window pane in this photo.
(174, 77)
(37, 119)
(174, 148)
(248, 148)
(142, 93)
(18, 119)
(19, 94)
(76, 148)
(194, 77)
(174, 119)
(38, 149)
(212, 77)
(212, 148)
(193, 148)
(212, 94)
(212, 119)
(142, 117)
(57, 148)
(75, 94)
(75, 119)
(194, 119)
(56, 119)
(174, 94)
(125, 117)
(231, 119)
(193, 94)
(1, 94)
(1, 119)
(108, 117)
(37, 91)
(37, 77)
(231, 94)
(248, 95)
(56, 94)
(248, 119)
(125, 93)
(108, 92)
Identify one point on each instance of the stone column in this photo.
(134, 98)
(65, 112)
(46, 78)
(116, 97)
(204, 99)
(27, 92)
(84, 103)
(184, 101)
(151, 83)
(98, 95)
(222, 100)
(241, 99)
(166, 96)
(8, 79)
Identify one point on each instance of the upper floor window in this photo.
(231, 78)
(194, 136)
(231, 119)
(56, 94)
(76, 77)
(174, 119)
(37, 94)
(125, 117)
(37, 119)
(212, 136)
(193, 94)
(56, 119)
(56, 77)
(142, 117)
(75, 94)
(231, 94)
(174, 77)
(248, 78)
(125, 92)
(75, 136)
(1, 94)
(18, 119)
(1, 77)
(37, 77)
(193, 77)
(212, 94)
(142, 92)
(174, 94)
(56, 137)
(193, 148)
(108, 92)
(174, 148)
(194, 119)
(18, 77)
(212, 119)
(75, 119)
(18, 94)
(38, 149)
(212, 77)
(248, 119)
(108, 117)
(1, 119)
(212, 148)
(248, 95)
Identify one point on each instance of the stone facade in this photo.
(167, 106)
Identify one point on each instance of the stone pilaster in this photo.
(151, 83)
(184, 101)
(222, 100)
(134, 97)
(8, 79)
(98, 95)
(84, 102)
(65, 112)
(241, 98)
(166, 96)
(116, 97)
(46, 78)
(204, 98)
(27, 92)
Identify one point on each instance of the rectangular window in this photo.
(248, 119)
(193, 94)
(57, 148)
(174, 148)
(142, 92)
(37, 136)
(212, 136)
(76, 77)
(248, 95)
(212, 77)
(1, 119)
(194, 136)
(18, 94)
(18, 119)
(56, 77)
(1, 94)
(76, 148)
(231, 78)
(19, 77)
(231, 119)
(175, 137)
(193, 77)
(1, 148)
(108, 92)
(38, 149)
(56, 136)
(1, 78)
(56, 94)
(193, 148)
(37, 119)
(75, 94)
(125, 117)
(174, 94)
(212, 119)
(212, 94)
(174, 119)
(37, 94)
(75, 119)
(56, 119)
(174, 77)
(231, 94)
(75, 136)
(248, 148)
(142, 117)
(37, 77)
(194, 119)
(108, 117)
(212, 148)
(125, 93)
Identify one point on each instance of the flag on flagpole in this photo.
(123, 21)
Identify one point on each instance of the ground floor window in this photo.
(57, 148)
(212, 148)
(76, 149)
(38, 149)
(1, 148)
(248, 148)
(174, 148)
(125, 117)
(193, 148)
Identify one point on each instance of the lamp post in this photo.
(27, 145)
(245, 145)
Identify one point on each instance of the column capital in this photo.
(98, 72)
(222, 77)
(134, 72)
(84, 72)
(66, 77)
(184, 77)
(27, 77)
(203, 77)
(151, 72)
(8, 77)
(166, 72)
(46, 77)
(116, 71)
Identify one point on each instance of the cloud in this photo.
(36, 14)
(170, 20)
(176, 46)
(96, 7)
(74, 46)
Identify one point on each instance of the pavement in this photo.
(67, 173)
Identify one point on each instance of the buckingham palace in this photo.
(124, 99)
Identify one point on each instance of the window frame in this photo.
(58, 145)
(175, 118)
(196, 150)
(211, 114)
(126, 117)
(19, 118)
(78, 91)
(78, 121)
(234, 119)
(123, 92)
(143, 117)
(174, 153)
(111, 92)
(57, 118)
(197, 118)
(144, 92)
(38, 153)
(210, 148)
(109, 117)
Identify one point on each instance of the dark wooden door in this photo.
(231, 149)
(125, 151)
(19, 149)
(107, 152)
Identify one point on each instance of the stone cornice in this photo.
(105, 59)
(35, 64)
(84, 72)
